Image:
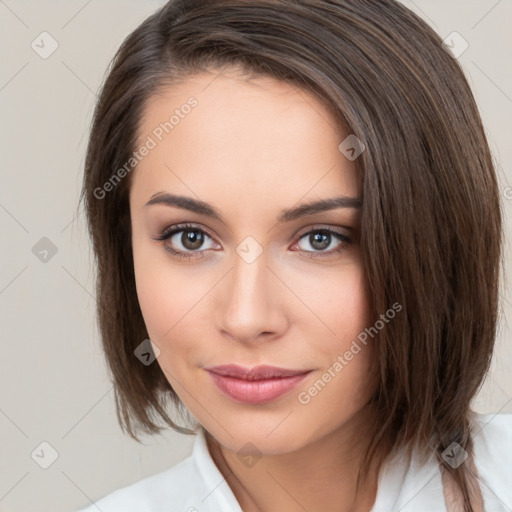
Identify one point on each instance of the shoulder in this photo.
(193, 485)
(416, 485)
(178, 486)
(492, 438)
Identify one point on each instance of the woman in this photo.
(297, 227)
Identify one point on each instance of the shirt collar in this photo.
(404, 484)
(409, 484)
(221, 496)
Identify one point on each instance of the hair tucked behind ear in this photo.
(431, 221)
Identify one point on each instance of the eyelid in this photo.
(320, 227)
(343, 239)
(176, 228)
(299, 234)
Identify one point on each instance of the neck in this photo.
(315, 477)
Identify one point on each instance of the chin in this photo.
(273, 433)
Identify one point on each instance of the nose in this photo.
(250, 307)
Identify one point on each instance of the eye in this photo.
(188, 241)
(321, 239)
(184, 240)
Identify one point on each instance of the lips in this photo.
(255, 385)
(256, 373)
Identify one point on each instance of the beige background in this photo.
(53, 379)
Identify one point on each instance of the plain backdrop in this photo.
(54, 384)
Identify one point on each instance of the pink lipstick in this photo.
(255, 385)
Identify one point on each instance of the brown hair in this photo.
(431, 227)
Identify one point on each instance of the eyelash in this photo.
(178, 228)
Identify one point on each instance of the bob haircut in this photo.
(431, 225)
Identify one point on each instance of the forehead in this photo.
(241, 140)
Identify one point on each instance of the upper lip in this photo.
(256, 373)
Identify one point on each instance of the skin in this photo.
(252, 148)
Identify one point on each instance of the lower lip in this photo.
(256, 391)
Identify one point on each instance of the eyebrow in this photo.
(202, 208)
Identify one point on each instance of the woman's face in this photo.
(253, 285)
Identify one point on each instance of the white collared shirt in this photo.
(197, 485)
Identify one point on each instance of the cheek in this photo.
(165, 315)
(347, 378)
(337, 302)
(155, 289)
(169, 299)
(347, 306)
(164, 301)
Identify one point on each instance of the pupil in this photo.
(320, 240)
(192, 240)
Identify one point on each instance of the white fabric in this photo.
(196, 484)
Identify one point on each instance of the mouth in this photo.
(255, 385)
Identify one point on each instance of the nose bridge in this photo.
(248, 308)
